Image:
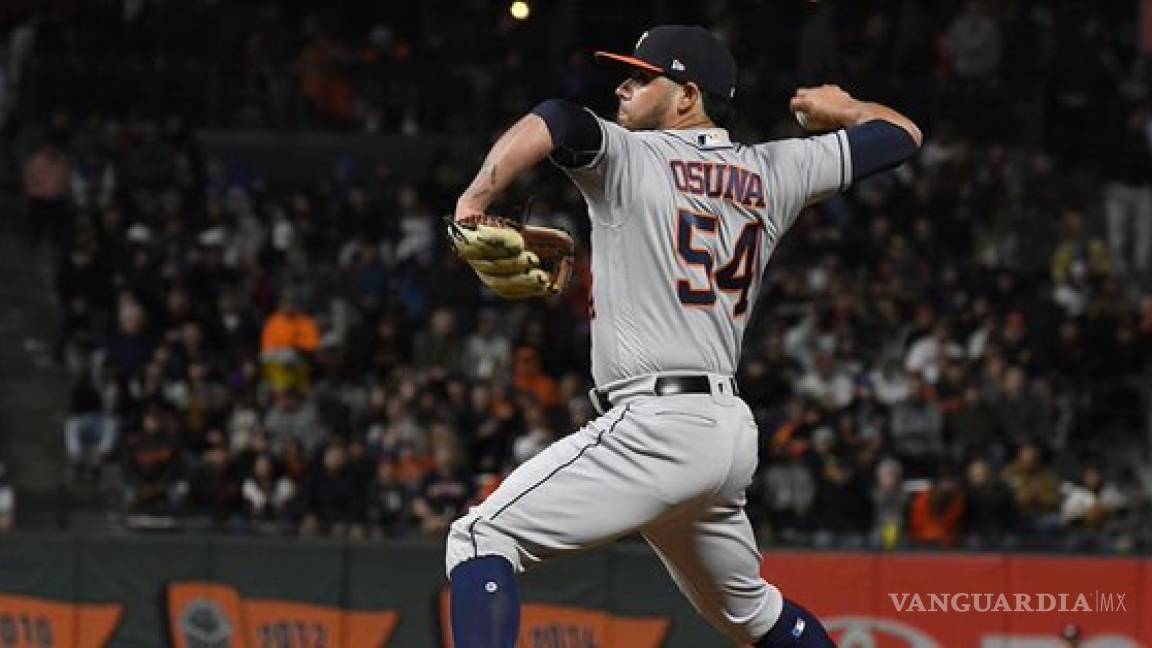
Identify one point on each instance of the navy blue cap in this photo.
(684, 53)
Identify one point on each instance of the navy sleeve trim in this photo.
(877, 146)
(840, 146)
(576, 137)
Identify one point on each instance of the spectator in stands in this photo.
(295, 463)
(841, 504)
(154, 469)
(389, 503)
(84, 291)
(330, 496)
(438, 349)
(362, 469)
(89, 433)
(214, 488)
(1092, 501)
(489, 426)
(1013, 343)
(1022, 413)
(129, 348)
(973, 42)
(1035, 488)
(292, 417)
(1130, 528)
(402, 429)
(242, 427)
(1071, 358)
(827, 383)
(918, 430)
(47, 189)
(1080, 260)
(790, 490)
(936, 513)
(990, 514)
(889, 503)
(244, 232)
(266, 495)
(929, 353)
(233, 329)
(7, 502)
(537, 433)
(289, 340)
(444, 493)
(808, 336)
(388, 348)
(487, 351)
(891, 383)
(417, 228)
(528, 377)
(202, 401)
(369, 279)
(973, 427)
(1128, 189)
(322, 68)
(767, 377)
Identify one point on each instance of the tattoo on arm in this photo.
(482, 192)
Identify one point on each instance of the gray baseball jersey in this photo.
(683, 223)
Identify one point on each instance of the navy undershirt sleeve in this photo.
(576, 137)
(877, 146)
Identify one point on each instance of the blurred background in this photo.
(229, 308)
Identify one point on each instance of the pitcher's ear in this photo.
(689, 93)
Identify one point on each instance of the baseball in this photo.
(801, 118)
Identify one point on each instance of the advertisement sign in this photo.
(28, 622)
(212, 615)
(985, 601)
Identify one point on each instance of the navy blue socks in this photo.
(486, 611)
(485, 605)
(796, 628)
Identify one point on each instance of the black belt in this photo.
(670, 385)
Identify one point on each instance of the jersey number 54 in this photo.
(735, 276)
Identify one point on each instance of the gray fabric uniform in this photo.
(683, 223)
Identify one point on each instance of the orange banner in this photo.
(544, 626)
(27, 622)
(983, 601)
(203, 614)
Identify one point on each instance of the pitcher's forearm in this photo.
(866, 111)
(520, 148)
(828, 107)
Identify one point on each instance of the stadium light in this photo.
(520, 10)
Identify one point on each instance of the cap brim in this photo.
(630, 61)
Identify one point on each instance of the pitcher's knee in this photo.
(472, 536)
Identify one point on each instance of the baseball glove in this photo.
(516, 261)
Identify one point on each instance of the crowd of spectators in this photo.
(955, 354)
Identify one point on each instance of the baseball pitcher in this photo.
(684, 221)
